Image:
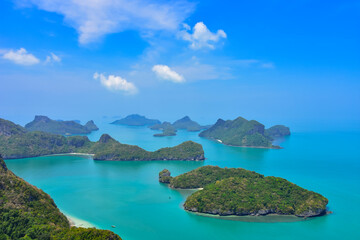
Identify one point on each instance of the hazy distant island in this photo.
(244, 133)
(27, 212)
(136, 120)
(171, 129)
(45, 124)
(236, 191)
(167, 129)
(17, 142)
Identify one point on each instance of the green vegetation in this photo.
(45, 124)
(188, 124)
(109, 149)
(164, 176)
(18, 143)
(136, 120)
(27, 212)
(239, 132)
(166, 127)
(232, 191)
(277, 131)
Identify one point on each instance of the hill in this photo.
(27, 212)
(16, 142)
(231, 191)
(240, 132)
(136, 120)
(45, 124)
(188, 124)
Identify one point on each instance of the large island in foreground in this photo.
(27, 212)
(236, 191)
(17, 142)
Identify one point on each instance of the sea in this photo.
(126, 197)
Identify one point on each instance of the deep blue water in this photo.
(128, 195)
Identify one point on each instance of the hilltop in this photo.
(136, 120)
(245, 133)
(45, 124)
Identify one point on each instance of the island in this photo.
(277, 131)
(188, 124)
(244, 133)
(17, 142)
(27, 212)
(236, 191)
(136, 120)
(45, 124)
(167, 129)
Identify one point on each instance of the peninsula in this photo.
(244, 133)
(45, 124)
(27, 212)
(236, 191)
(136, 120)
(17, 142)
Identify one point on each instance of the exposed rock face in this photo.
(165, 176)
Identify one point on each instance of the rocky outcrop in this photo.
(165, 176)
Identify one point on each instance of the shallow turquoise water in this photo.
(128, 195)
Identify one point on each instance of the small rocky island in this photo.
(244, 133)
(27, 212)
(136, 120)
(236, 191)
(45, 124)
(18, 142)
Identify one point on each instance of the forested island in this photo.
(17, 142)
(244, 133)
(170, 129)
(136, 120)
(45, 124)
(167, 129)
(236, 191)
(27, 212)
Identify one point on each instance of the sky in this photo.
(279, 62)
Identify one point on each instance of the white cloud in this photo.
(94, 18)
(165, 73)
(116, 83)
(52, 58)
(201, 36)
(21, 57)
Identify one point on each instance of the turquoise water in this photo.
(128, 195)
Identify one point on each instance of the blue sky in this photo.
(290, 62)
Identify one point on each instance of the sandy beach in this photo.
(76, 222)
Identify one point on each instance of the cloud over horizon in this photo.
(201, 36)
(165, 73)
(21, 57)
(116, 83)
(94, 19)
